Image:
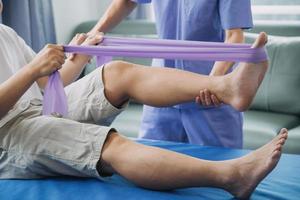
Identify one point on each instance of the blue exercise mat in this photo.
(282, 183)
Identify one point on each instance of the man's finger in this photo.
(60, 55)
(59, 67)
(60, 60)
(55, 46)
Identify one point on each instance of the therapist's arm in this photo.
(220, 68)
(116, 12)
(232, 36)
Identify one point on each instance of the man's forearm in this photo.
(12, 89)
(72, 69)
(69, 72)
(232, 36)
(117, 11)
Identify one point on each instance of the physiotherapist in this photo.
(207, 123)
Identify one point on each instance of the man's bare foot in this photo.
(254, 167)
(243, 83)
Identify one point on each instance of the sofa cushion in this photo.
(280, 91)
(260, 127)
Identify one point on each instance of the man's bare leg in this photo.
(159, 169)
(164, 86)
(245, 80)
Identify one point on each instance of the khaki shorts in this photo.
(36, 146)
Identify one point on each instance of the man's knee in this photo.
(116, 78)
(117, 69)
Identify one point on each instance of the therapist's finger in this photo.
(215, 100)
(80, 39)
(207, 97)
(202, 98)
(198, 100)
(71, 55)
(94, 40)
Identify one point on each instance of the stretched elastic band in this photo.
(172, 49)
(55, 101)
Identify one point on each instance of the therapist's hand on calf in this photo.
(206, 98)
(47, 61)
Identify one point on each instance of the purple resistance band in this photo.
(55, 100)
